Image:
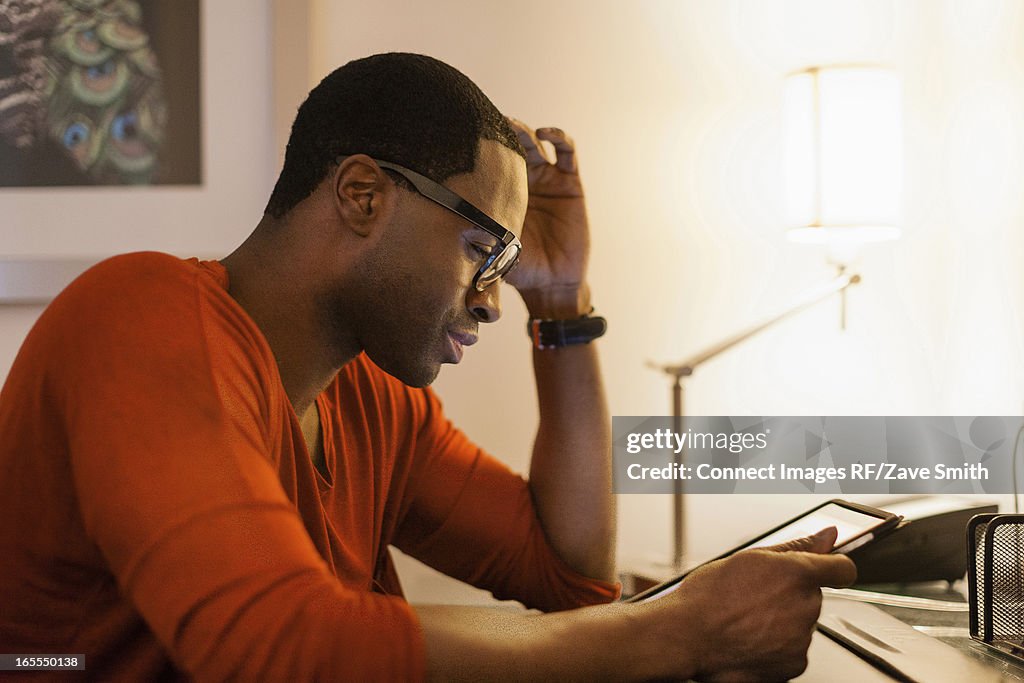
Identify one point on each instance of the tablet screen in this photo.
(849, 524)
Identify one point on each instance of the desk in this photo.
(935, 609)
(942, 615)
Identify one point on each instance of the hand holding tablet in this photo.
(855, 525)
(751, 615)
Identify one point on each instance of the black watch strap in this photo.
(553, 334)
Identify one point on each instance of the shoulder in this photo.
(150, 333)
(122, 298)
(147, 298)
(120, 284)
(130, 275)
(138, 287)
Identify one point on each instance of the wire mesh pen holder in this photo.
(995, 580)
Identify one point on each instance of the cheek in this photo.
(422, 304)
(445, 281)
(426, 276)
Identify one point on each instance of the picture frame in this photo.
(49, 235)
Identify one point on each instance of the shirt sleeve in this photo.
(164, 396)
(471, 517)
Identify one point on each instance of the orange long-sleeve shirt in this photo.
(159, 511)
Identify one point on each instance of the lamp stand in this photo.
(685, 369)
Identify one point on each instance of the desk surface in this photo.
(830, 662)
(946, 621)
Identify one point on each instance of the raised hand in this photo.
(556, 235)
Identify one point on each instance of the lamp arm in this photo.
(815, 296)
(686, 368)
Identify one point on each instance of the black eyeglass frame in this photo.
(441, 195)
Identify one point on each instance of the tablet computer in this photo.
(856, 525)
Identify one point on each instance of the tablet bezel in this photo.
(888, 521)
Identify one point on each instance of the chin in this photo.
(421, 380)
(416, 375)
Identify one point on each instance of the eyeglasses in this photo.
(502, 259)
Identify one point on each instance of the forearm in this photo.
(590, 644)
(748, 617)
(570, 472)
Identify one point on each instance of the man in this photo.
(204, 463)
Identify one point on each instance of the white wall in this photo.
(675, 107)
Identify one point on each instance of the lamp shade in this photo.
(843, 154)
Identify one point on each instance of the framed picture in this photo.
(100, 93)
(152, 129)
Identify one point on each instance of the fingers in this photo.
(811, 569)
(529, 141)
(565, 149)
(834, 571)
(821, 542)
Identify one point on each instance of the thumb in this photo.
(821, 542)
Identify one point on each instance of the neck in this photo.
(284, 302)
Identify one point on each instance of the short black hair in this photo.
(409, 109)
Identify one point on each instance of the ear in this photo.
(363, 194)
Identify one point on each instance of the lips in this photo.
(457, 341)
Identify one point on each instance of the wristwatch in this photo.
(554, 334)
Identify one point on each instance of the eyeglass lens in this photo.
(499, 267)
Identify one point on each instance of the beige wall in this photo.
(674, 105)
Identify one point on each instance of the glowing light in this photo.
(844, 155)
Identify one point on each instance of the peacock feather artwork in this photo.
(81, 90)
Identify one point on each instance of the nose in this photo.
(486, 305)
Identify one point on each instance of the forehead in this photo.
(497, 186)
